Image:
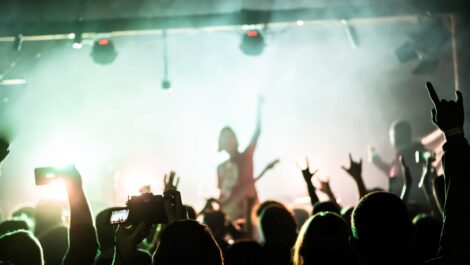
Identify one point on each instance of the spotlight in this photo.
(103, 51)
(425, 46)
(18, 42)
(252, 43)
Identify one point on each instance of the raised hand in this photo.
(127, 239)
(70, 176)
(170, 181)
(355, 171)
(324, 185)
(447, 115)
(209, 206)
(173, 206)
(355, 168)
(306, 173)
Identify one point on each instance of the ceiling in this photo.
(32, 17)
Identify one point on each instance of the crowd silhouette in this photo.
(428, 224)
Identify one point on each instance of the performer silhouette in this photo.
(236, 180)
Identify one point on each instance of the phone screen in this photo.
(119, 216)
(45, 175)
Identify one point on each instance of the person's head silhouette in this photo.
(323, 239)
(228, 141)
(381, 227)
(20, 248)
(187, 242)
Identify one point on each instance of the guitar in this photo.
(233, 208)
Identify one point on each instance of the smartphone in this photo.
(119, 216)
(45, 175)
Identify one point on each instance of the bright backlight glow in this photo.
(54, 191)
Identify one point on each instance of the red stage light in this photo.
(103, 42)
(103, 51)
(252, 33)
(252, 42)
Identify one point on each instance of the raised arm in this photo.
(428, 178)
(439, 192)
(308, 175)
(355, 171)
(254, 138)
(324, 186)
(83, 244)
(448, 116)
(129, 237)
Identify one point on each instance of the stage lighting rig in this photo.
(425, 46)
(252, 42)
(103, 51)
(166, 83)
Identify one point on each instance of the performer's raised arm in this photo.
(254, 139)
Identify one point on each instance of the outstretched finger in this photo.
(307, 162)
(350, 157)
(172, 177)
(345, 168)
(177, 182)
(432, 94)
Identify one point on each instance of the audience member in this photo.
(377, 230)
(245, 252)
(323, 239)
(278, 233)
(20, 248)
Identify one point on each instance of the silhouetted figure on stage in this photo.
(236, 180)
(401, 139)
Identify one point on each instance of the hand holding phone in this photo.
(47, 175)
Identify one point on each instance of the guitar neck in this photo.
(261, 174)
(266, 169)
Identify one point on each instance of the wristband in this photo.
(453, 132)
